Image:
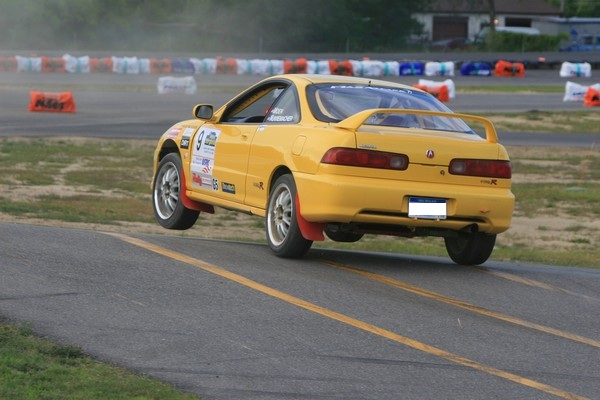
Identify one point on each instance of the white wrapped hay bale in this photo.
(131, 65)
(318, 67)
(576, 92)
(569, 70)
(259, 67)
(170, 84)
(77, 64)
(29, 64)
(367, 67)
(391, 68)
(206, 66)
(445, 68)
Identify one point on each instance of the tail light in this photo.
(483, 168)
(365, 158)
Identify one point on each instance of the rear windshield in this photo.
(336, 102)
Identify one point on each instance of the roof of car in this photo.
(307, 79)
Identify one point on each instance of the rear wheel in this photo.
(166, 195)
(470, 249)
(283, 233)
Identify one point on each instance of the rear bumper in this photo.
(350, 199)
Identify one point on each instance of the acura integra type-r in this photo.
(340, 157)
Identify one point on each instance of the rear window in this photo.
(336, 102)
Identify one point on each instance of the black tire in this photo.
(166, 195)
(338, 235)
(471, 249)
(283, 233)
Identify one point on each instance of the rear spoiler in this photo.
(355, 121)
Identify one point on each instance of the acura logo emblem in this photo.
(429, 153)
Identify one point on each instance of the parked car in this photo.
(341, 157)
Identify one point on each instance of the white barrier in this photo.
(367, 67)
(204, 66)
(170, 84)
(29, 64)
(433, 68)
(576, 92)
(259, 67)
(570, 70)
(77, 64)
(131, 65)
(318, 67)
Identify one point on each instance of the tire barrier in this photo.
(411, 68)
(576, 92)
(160, 66)
(8, 64)
(592, 96)
(187, 66)
(171, 84)
(235, 66)
(53, 64)
(79, 65)
(433, 68)
(476, 69)
(443, 91)
(130, 65)
(571, 70)
(52, 102)
(259, 67)
(507, 68)
(101, 65)
(29, 64)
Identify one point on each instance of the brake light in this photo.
(484, 168)
(365, 158)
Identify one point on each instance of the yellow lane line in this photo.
(345, 319)
(461, 304)
(533, 283)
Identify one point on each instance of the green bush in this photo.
(519, 42)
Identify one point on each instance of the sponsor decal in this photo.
(196, 179)
(185, 138)
(277, 116)
(203, 157)
(174, 132)
(228, 187)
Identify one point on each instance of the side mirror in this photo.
(203, 111)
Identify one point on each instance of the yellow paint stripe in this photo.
(533, 283)
(461, 304)
(346, 319)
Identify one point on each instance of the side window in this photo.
(286, 109)
(253, 106)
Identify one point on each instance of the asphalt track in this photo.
(228, 320)
(128, 106)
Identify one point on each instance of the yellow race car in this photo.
(339, 156)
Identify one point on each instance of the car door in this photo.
(221, 150)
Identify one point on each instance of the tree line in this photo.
(252, 26)
(209, 25)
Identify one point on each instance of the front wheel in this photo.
(166, 195)
(471, 249)
(283, 233)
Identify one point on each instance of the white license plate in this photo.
(426, 208)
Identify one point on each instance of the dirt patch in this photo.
(547, 229)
